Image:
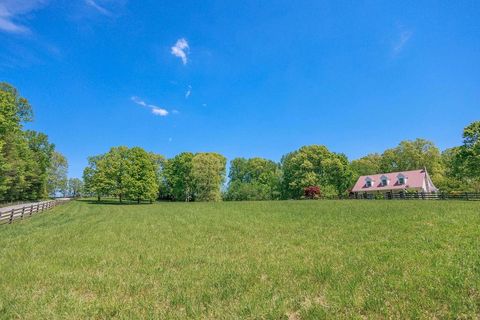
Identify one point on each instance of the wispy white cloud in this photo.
(159, 111)
(155, 110)
(189, 92)
(174, 111)
(97, 7)
(12, 11)
(181, 49)
(404, 37)
(138, 101)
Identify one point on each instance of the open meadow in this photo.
(231, 260)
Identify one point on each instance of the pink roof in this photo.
(414, 179)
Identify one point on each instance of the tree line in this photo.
(134, 174)
(30, 167)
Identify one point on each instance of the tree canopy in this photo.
(253, 179)
(28, 161)
(126, 173)
(315, 165)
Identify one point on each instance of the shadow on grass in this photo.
(115, 202)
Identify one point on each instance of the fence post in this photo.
(31, 209)
(38, 207)
(11, 216)
(23, 211)
(466, 196)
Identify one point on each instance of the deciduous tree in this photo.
(178, 177)
(253, 179)
(412, 155)
(57, 174)
(208, 175)
(75, 187)
(94, 178)
(470, 151)
(141, 182)
(314, 165)
(370, 164)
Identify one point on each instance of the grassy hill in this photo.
(289, 259)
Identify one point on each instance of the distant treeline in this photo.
(30, 167)
(133, 173)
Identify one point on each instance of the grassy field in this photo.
(271, 260)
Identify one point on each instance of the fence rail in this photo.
(26, 211)
(467, 196)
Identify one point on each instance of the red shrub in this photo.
(312, 192)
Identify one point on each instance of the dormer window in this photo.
(384, 181)
(401, 179)
(368, 182)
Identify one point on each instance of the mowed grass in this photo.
(248, 260)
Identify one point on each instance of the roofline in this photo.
(382, 173)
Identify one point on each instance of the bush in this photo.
(312, 192)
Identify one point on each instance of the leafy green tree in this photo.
(14, 109)
(115, 166)
(338, 174)
(178, 180)
(141, 182)
(57, 174)
(18, 160)
(94, 178)
(453, 175)
(208, 175)
(412, 155)
(253, 179)
(127, 173)
(470, 151)
(42, 153)
(75, 187)
(26, 157)
(160, 162)
(15, 157)
(370, 164)
(314, 165)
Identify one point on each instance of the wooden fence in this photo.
(26, 211)
(467, 196)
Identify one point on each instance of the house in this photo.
(394, 182)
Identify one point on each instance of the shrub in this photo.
(312, 192)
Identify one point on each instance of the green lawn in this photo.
(272, 260)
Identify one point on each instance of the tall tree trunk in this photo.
(138, 200)
(120, 197)
(98, 197)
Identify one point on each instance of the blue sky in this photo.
(243, 78)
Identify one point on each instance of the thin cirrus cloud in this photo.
(189, 92)
(13, 11)
(155, 110)
(405, 36)
(98, 8)
(181, 49)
